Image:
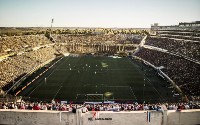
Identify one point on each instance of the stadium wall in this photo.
(21, 117)
(184, 117)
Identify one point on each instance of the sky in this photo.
(97, 13)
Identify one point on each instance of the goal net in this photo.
(94, 97)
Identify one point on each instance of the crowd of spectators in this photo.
(18, 65)
(183, 72)
(92, 43)
(29, 51)
(97, 107)
(92, 39)
(182, 47)
(21, 43)
(25, 53)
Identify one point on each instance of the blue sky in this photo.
(97, 13)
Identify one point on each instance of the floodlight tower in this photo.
(52, 22)
(51, 25)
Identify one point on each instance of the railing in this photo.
(16, 84)
(162, 73)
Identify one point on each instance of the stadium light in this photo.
(52, 22)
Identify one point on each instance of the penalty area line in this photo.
(57, 91)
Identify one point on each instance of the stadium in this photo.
(99, 62)
(92, 66)
(88, 71)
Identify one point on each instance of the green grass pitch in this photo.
(74, 77)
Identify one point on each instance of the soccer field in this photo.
(107, 78)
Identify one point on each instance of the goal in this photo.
(94, 97)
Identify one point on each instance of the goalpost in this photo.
(108, 93)
(94, 97)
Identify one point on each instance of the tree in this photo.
(47, 34)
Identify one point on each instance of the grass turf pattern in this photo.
(74, 77)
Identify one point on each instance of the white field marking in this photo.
(117, 86)
(34, 89)
(146, 78)
(94, 69)
(139, 71)
(55, 69)
(153, 86)
(133, 93)
(46, 79)
(57, 91)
